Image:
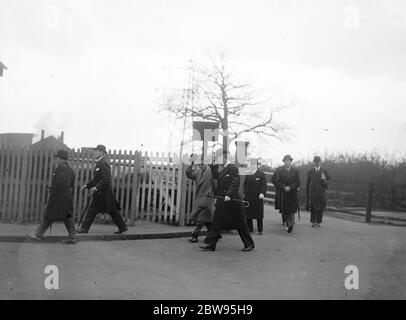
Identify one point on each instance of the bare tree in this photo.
(214, 96)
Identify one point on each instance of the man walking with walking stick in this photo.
(60, 203)
(229, 211)
(288, 182)
(102, 192)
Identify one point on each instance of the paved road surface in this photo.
(307, 264)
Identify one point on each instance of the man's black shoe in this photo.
(290, 229)
(33, 237)
(193, 240)
(70, 241)
(120, 231)
(208, 248)
(249, 248)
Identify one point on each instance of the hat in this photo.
(63, 154)
(101, 148)
(317, 159)
(287, 157)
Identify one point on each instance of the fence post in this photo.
(369, 203)
(134, 188)
(181, 194)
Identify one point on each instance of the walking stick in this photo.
(245, 203)
(298, 206)
(89, 201)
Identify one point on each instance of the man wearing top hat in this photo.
(102, 191)
(287, 180)
(60, 203)
(229, 211)
(316, 186)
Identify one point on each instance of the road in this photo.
(307, 264)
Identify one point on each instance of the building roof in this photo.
(49, 143)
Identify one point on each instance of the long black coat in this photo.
(60, 202)
(254, 185)
(289, 200)
(228, 215)
(316, 188)
(278, 204)
(104, 200)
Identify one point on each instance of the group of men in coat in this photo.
(227, 211)
(219, 206)
(287, 182)
(60, 203)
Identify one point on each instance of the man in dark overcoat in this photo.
(254, 192)
(278, 196)
(228, 214)
(102, 192)
(288, 182)
(203, 206)
(318, 180)
(60, 202)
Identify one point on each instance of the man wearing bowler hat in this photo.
(60, 203)
(103, 197)
(316, 186)
(287, 181)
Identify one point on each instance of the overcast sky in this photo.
(94, 69)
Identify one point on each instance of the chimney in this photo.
(61, 137)
(42, 134)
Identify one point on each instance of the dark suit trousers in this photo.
(316, 216)
(91, 214)
(214, 235)
(45, 224)
(289, 219)
(260, 225)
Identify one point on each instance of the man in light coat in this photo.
(203, 206)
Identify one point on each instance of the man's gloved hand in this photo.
(93, 190)
(261, 196)
(227, 198)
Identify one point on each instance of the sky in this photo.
(97, 69)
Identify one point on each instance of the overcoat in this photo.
(103, 200)
(278, 196)
(254, 185)
(60, 202)
(228, 215)
(316, 186)
(289, 199)
(203, 207)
